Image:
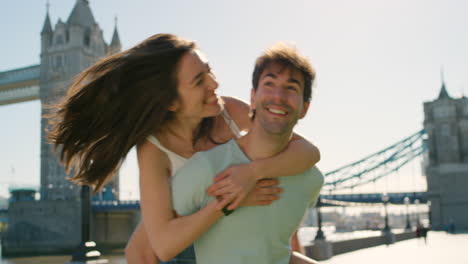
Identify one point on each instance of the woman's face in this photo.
(196, 86)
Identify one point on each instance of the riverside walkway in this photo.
(441, 247)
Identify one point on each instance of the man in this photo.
(282, 82)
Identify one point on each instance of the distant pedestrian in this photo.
(451, 226)
(419, 228)
(421, 231)
(424, 231)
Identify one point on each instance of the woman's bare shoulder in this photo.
(234, 102)
(239, 111)
(151, 156)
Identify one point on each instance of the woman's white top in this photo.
(178, 161)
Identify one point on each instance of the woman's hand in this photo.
(233, 185)
(264, 193)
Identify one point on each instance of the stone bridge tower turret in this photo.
(446, 123)
(66, 51)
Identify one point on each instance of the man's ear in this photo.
(252, 99)
(305, 108)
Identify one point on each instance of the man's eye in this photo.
(292, 88)
(268, 83)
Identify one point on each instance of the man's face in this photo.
(278, 101)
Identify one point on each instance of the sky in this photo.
(377, 61)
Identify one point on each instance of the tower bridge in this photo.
(71, 46)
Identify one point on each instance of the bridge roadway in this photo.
(19, 85)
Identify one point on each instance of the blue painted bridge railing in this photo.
(115, 205)
(394, 198)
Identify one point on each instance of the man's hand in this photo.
(264, 193)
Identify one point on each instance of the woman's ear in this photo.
(174, 107)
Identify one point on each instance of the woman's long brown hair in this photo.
(115, 104)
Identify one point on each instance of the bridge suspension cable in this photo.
(376, 165)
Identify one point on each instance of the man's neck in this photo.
(259, 144)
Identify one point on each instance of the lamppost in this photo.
(86, 251)
(429, 213)
(322, 248)
(320, 235)
(385, 199)
(416, 202)
(408, 222)
(389, 236)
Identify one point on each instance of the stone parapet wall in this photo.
(42, 227)
(54, 227)
(340, 247)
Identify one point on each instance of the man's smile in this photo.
(276, 111)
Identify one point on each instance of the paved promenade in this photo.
(113, 259)
(441, 248)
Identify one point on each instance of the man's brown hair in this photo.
(287, 56)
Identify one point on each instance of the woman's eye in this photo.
(200, 81)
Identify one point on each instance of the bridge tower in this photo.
(52, 224)
(446, 123)
(65, 52)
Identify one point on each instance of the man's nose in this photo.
(277, 94)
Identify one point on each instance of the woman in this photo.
(160, 96)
